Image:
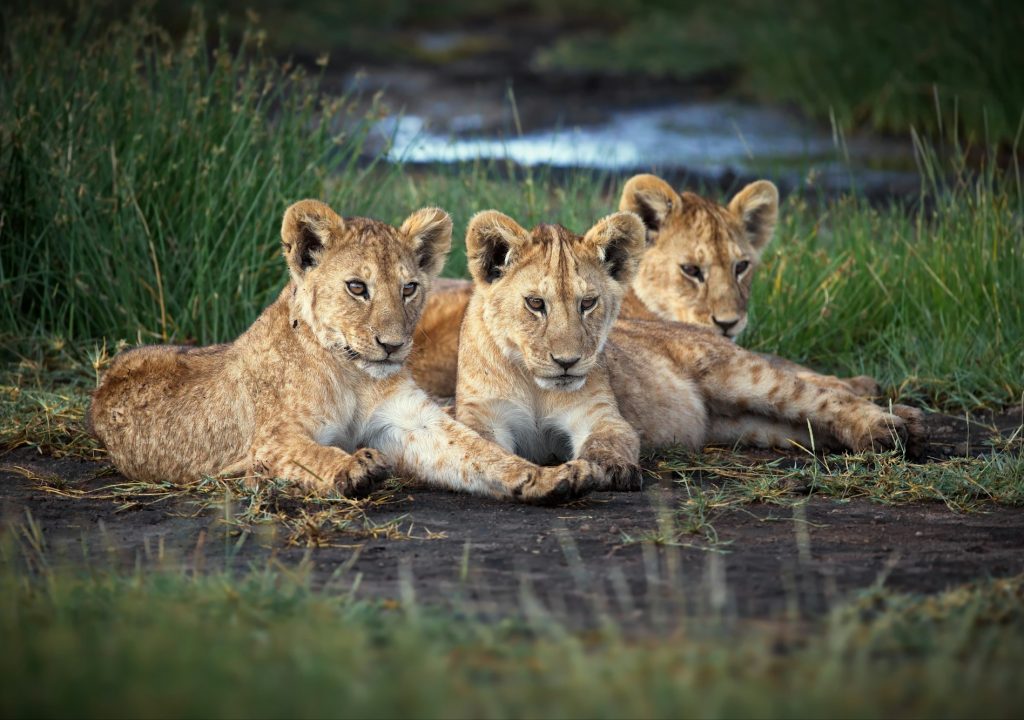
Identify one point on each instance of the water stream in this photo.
(713, 139)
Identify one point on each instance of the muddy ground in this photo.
(573, 561)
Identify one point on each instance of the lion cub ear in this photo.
(620, 241)
(308, 228)
(429, 232)
(652, 199)
(492, 239)
(757, 206)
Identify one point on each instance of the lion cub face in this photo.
(550, 296)
(360, 284)
(701, 256)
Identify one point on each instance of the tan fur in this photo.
(531, 378)
(674, 384)
(686, 232)
(315, 390)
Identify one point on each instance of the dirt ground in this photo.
(572, 561)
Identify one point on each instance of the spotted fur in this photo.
(701, 259)
(658, 382)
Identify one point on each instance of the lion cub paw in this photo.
(364, 472)
(917, 431)
(879, 432)
(553, 485)
(620, 475)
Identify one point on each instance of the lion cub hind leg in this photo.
(862, 385)
(760, 432)
(319, 468)
(749, 383)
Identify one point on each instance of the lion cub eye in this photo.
(588, 303)
(741, 267)
(357, 288)
(693, 271)
(535, 303)
(409, 289)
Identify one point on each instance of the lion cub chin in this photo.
(316, 391)
(531, 374)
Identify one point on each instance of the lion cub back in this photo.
(187, 392)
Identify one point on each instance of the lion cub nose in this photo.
(566, 363)
(389, 347)
(725, 325)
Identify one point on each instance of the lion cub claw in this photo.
(558, 484)
(365, 472)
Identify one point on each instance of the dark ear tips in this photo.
(647, 213)
(620, 237)
(429, 231)
(757, 206)
(651, 198)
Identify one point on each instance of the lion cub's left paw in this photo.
(917, 431)
(623, 476)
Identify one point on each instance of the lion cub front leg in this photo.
(319, 468)
(614, 446)
(422, 439)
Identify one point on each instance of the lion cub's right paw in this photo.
(364, 472)
(553, 485)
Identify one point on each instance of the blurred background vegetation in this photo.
(888, 65)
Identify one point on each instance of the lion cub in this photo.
(701, 258)
(318, 375)
(546, 371)
(530, 374)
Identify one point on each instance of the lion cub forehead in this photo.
(372, 249)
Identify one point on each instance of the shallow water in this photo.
(714, 139)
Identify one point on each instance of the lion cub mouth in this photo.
(562, 383)
(382, 368)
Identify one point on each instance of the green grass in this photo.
(142, 184)
(135, 171)
(163, 643)
(924, 300)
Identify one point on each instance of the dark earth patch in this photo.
(575, 561)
